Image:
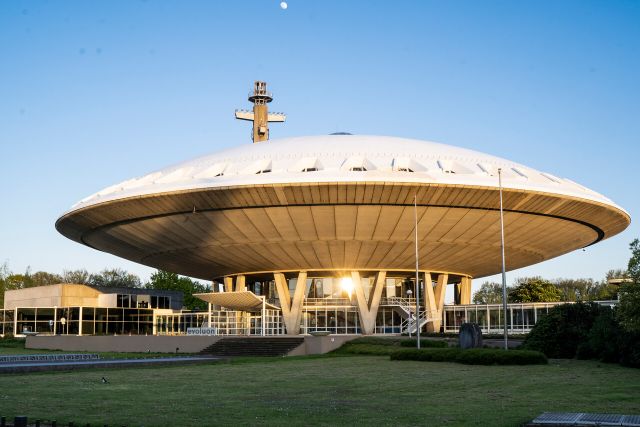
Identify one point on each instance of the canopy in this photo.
(241, 301)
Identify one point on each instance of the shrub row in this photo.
(478, 356)
(10, 342)
(370, 349)
(424, 343)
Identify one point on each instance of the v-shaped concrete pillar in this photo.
(439, 293)
(368, 307)
(429, 296)
(291, 309)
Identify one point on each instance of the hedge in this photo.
(427, 355)
(424, 343)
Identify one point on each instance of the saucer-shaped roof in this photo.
(339, 202)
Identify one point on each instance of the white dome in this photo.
(342, 158)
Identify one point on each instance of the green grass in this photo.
(333, 390)
(379, 346)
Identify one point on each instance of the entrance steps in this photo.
(253, 346)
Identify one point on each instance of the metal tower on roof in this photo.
(260, 115)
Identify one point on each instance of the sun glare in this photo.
(347, 285)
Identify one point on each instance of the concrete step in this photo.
(253, 346)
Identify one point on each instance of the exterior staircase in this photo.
(406, 307)
(253, 346)
(411, 325)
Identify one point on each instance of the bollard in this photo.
(70, 423)
(37, 423)
(54, 423)
(20, 421)
(3, 422)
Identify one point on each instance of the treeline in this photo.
(538, 289)
(113, 278)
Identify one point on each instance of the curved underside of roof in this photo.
(365, 225)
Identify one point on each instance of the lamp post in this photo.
(504, 275)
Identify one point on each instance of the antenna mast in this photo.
(260, 115)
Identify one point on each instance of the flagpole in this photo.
(415, 217)
(504, 274)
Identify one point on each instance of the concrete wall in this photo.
(321, 345)
(122, 343)
(166, 344)
(63, 295)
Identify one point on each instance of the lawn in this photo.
(330, 390)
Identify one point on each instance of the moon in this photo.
(284, 5)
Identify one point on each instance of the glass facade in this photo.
(77, 321)
(520, 317)
(224, 322)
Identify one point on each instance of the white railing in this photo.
(323, 302)
(411, 324)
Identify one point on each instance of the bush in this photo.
(370, 349)
(560, 332)
(477, 356)
(485, 356)
(585, 331)
(603, 339)
(424, 343)
(427, 355)
(10, 342)
(375, 341)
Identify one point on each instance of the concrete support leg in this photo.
(291, 309)
(441, 288)
(228, 284)
(465, 291)
(240, 283)
(368, 307)
(429, 301)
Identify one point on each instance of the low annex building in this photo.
(318, 233)
(73, 309)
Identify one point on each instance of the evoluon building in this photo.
(317, 233)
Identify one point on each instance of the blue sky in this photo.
(93, 93)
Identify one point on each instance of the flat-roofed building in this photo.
(85, 310)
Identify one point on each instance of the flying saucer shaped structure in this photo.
(341, 202)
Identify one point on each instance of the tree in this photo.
(4, 274)
(489, 293)
(533, 289)
(576, 289)
(115, 278)
(633, 268)
(629, 307)
(171, 281)
(78, 277)
(42, 278)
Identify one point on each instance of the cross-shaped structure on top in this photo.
(260, 115)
